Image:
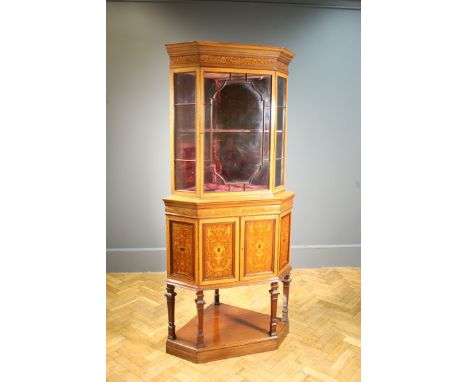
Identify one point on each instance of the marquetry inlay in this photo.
(259, 246)
(211, 60)
(182, 237)
(218, 250)
(284, 240)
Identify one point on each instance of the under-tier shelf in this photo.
(228, 331)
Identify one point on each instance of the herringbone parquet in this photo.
(323, 343)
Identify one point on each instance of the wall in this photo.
(323, 164)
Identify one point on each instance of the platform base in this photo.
(229, 331)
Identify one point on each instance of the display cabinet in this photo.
(228, 220)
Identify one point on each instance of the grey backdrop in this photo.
(323, 164)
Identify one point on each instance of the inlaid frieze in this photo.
(202, 53)
(250, 62)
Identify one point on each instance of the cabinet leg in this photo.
(274, 302)
(170, 295)
(200, 302)
(216, 296)
(286, 281)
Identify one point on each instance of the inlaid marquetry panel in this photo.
(285, 227)
(182, 247)
(218, 250)
(259, 246)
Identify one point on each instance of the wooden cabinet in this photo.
(229, 216)
(228, 249)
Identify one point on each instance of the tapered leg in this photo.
(216, 294)
(200, 302)
(286, 281)
(170, 295)
(274, 302)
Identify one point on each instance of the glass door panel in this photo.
(237, 131)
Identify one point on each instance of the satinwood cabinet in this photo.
(229, 215)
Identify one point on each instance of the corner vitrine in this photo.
(228, 219)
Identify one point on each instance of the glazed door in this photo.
(219, 240)
(258, 246)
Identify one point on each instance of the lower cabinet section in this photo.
(224, 250)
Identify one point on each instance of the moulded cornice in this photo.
(218, 54)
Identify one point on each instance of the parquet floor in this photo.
(323, 343)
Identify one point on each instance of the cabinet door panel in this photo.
(182, 249)
(285, 232)
(219, 243)
(258, 247)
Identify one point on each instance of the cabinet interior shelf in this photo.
(265, 159)
(186, 131)
(233, 131)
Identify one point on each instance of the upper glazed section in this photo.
(221, 54)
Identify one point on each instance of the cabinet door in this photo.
(285, 243)
(219, 240)
(258, 246)
(182, 243)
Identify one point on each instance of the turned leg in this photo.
(286, 281)
(200, 302)
(274, 300)
(216, 294)
(170, 295)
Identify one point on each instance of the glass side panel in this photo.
(280, 119)
(280, 131)
(184, 118)
(237, 125)
(185, 175)
(184, 88)
(278, 172)
(279, 145)
(184, 131)
(184, 147)
(281, 91)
